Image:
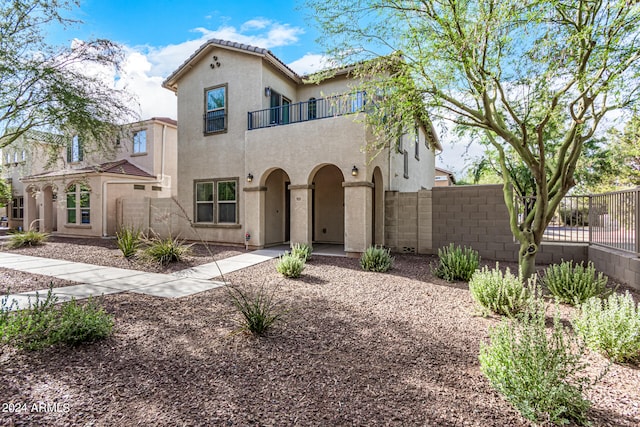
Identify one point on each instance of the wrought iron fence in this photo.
(609, 219)
(309, 110)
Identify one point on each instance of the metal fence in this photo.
(609, 219)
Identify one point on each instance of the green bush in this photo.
(499, 293)
(574, 284)
(166, 251)
(79, 324)
(456, 263)
(540, 374)
(302, 251)
(128, 240)
(42, 324)
(258, 308)
(611, 326)
(290, 265)
(376, 258)
(27, 238)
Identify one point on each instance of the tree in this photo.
(536, 78)
(49, 89)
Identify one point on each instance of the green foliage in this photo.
(499, 293)
(574, 284)
(27, 238)
(456, 263)
(302, 251)
(540, 374)
(128, 240)
(166, 251)
(611, 326)
(42, 324)
(290, 265)
(376, 258)
(258, 308)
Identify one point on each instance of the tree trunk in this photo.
(527, 259)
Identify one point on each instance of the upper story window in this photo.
(140, 142)
(24, 155)
(312, 112)
(417, 143)
(215, 118)
(74, 150)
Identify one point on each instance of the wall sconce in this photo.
(354, 171)
(267, 91)
(249, 177)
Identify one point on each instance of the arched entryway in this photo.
(328, 205)
(377, 212)
(277, 208)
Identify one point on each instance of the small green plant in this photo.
(456, 263)
(611, 326)
(541, 374)
(128, 240)
(166, 251)
(42, 324)
(376, 258)
(79, 324)
(499, 293)
(574, 284)
(290, 265)
(27, 238)
(302, 251)
(258, 308)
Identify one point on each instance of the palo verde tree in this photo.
(534, 77)
(48, 89)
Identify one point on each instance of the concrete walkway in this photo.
(98, 280)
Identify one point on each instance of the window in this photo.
(17, 207)
(24, 155)
(312, 112)
(78, 204)
(216, 109)
(216, 201)
(8, 158)
(74, 150)
(357, 101)
(399, 145)
(417, 144)
(140, 142)
(406, 164)
(15, 157)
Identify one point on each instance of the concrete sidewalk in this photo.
(98, 280)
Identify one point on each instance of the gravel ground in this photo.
(354, 348)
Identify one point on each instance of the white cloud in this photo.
(255, 24)
(310, 63)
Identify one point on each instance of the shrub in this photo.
(128, 240)
(376, 258)
(42, 324)
(302, 251)
(258, 308)
(79, 324)
(538, 373)
(500, 293)
(574, 284)
(290, 265)
(456, 263)
(27, 238)
(611, 326)
(165, 251)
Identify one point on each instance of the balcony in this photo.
(314, 109)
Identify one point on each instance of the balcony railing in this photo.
(313, 109)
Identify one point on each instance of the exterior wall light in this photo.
(354, 171)
(267, 91)
(249, 177)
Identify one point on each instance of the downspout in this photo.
(159, 180)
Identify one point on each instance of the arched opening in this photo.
(377, 212)
(328, 205)
(277, 208)
(49, 210)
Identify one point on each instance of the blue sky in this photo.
(158, 36)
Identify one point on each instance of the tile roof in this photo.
(120, 167)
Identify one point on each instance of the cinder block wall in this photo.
(620, 265)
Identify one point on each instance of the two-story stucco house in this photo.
(267, 157)
(75, 192)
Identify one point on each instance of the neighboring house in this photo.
(444, 178)
(266, 157)
(75, 193)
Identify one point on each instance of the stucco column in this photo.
(301, 214)
(254, 212)
(358, 217)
